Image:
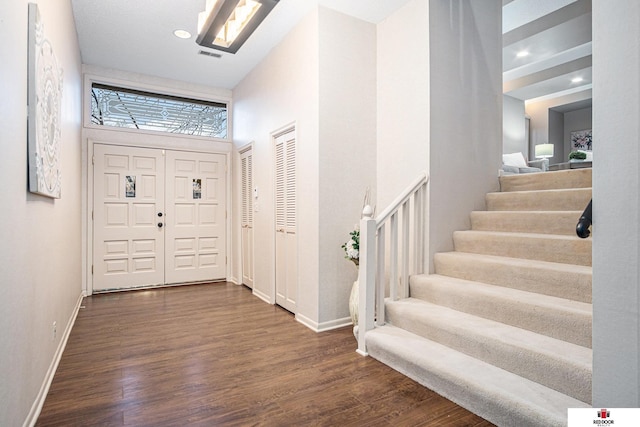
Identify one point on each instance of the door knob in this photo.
(159, 214)
(160, 224)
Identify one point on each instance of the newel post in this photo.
(366, 277)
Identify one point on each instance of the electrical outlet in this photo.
(54, 328)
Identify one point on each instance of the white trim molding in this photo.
(323, 326)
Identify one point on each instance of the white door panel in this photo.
(196, 215)
(128, 194)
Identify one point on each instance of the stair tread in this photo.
(560, 248)
(456, 320)
(562, 199)
(566, 211)
(516, 295)
(553, 278)
(544, 190)
(521, 262)
(570, 178)
(526, 221)
(528, 213)
(522, 235)
(495, 394)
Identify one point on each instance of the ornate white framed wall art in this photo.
(44, 109)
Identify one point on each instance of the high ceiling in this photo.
(137, 36)
(557, 38)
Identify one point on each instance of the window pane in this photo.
(133, 109)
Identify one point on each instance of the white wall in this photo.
(322, 78)
(514, 137)
(284, 89)
(616, 209)
(403, 99)
(556, 135)
(40, 255)
(347, 150)
(466, 113)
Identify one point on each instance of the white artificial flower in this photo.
(351, 251)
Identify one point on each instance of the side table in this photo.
(570, 165)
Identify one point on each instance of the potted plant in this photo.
(577, 156)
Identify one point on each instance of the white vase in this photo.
(353, 303)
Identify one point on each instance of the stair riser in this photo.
(565, 376)
(576, 178)
(568, 325)
(551, 200)
(525, 276)
(543, 222)
(566, 250)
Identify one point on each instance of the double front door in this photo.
(158, 217)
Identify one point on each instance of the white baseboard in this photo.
(34, 413)
(234, 281)
(335, 324)
(264, 297)
(324, 326)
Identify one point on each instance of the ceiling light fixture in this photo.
(576, 80)
(522, 54)
(226, 24)
(182, 34)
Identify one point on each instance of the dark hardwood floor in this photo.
(211, 355)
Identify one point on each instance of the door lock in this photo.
(160, 214)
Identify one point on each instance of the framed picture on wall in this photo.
(581, 140)
(44, 109)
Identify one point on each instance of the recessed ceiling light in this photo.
(522, 54)
(576, 80)
(182, 34)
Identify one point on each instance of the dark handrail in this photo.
(585, 221)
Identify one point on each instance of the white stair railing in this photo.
(405, 254)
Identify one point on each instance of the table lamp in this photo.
(544, 151)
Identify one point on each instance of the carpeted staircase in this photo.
(503, 327)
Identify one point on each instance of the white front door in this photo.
(159, 217)
(195, 217)
(286, 241)
(128, 233)
(246, 166)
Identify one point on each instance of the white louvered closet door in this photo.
(286, 240)
(246, 161)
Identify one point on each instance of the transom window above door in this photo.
(135, 109)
